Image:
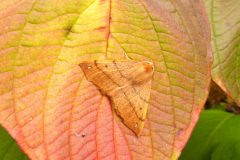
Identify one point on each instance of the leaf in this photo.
(54, 113)
(214, 137)
(225, 17)
(9, 149)
(128, 86)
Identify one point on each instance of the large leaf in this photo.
(53, 112)
(225, 24)
(9, 149)
(214, 138)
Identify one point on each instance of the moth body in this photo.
(128, 86)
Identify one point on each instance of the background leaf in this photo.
(225, 23)
(214, 138)
(9, 149)
(55, 113)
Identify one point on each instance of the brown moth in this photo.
(128, 86)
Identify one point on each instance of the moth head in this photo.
(143, 73)
(147, 67)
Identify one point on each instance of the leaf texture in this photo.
(55, 114)
(207, 140)
(9, 149)
(225, 23)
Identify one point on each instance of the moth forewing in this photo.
(128, 86)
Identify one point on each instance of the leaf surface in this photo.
(53, 112)
(225, 23)
(214, 137)
(9, 149)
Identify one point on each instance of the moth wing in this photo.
(114, 79)
(133, 107)
(104, 74)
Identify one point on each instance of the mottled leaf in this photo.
(225, 23)
(53, 112)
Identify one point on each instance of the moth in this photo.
(128, 86)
